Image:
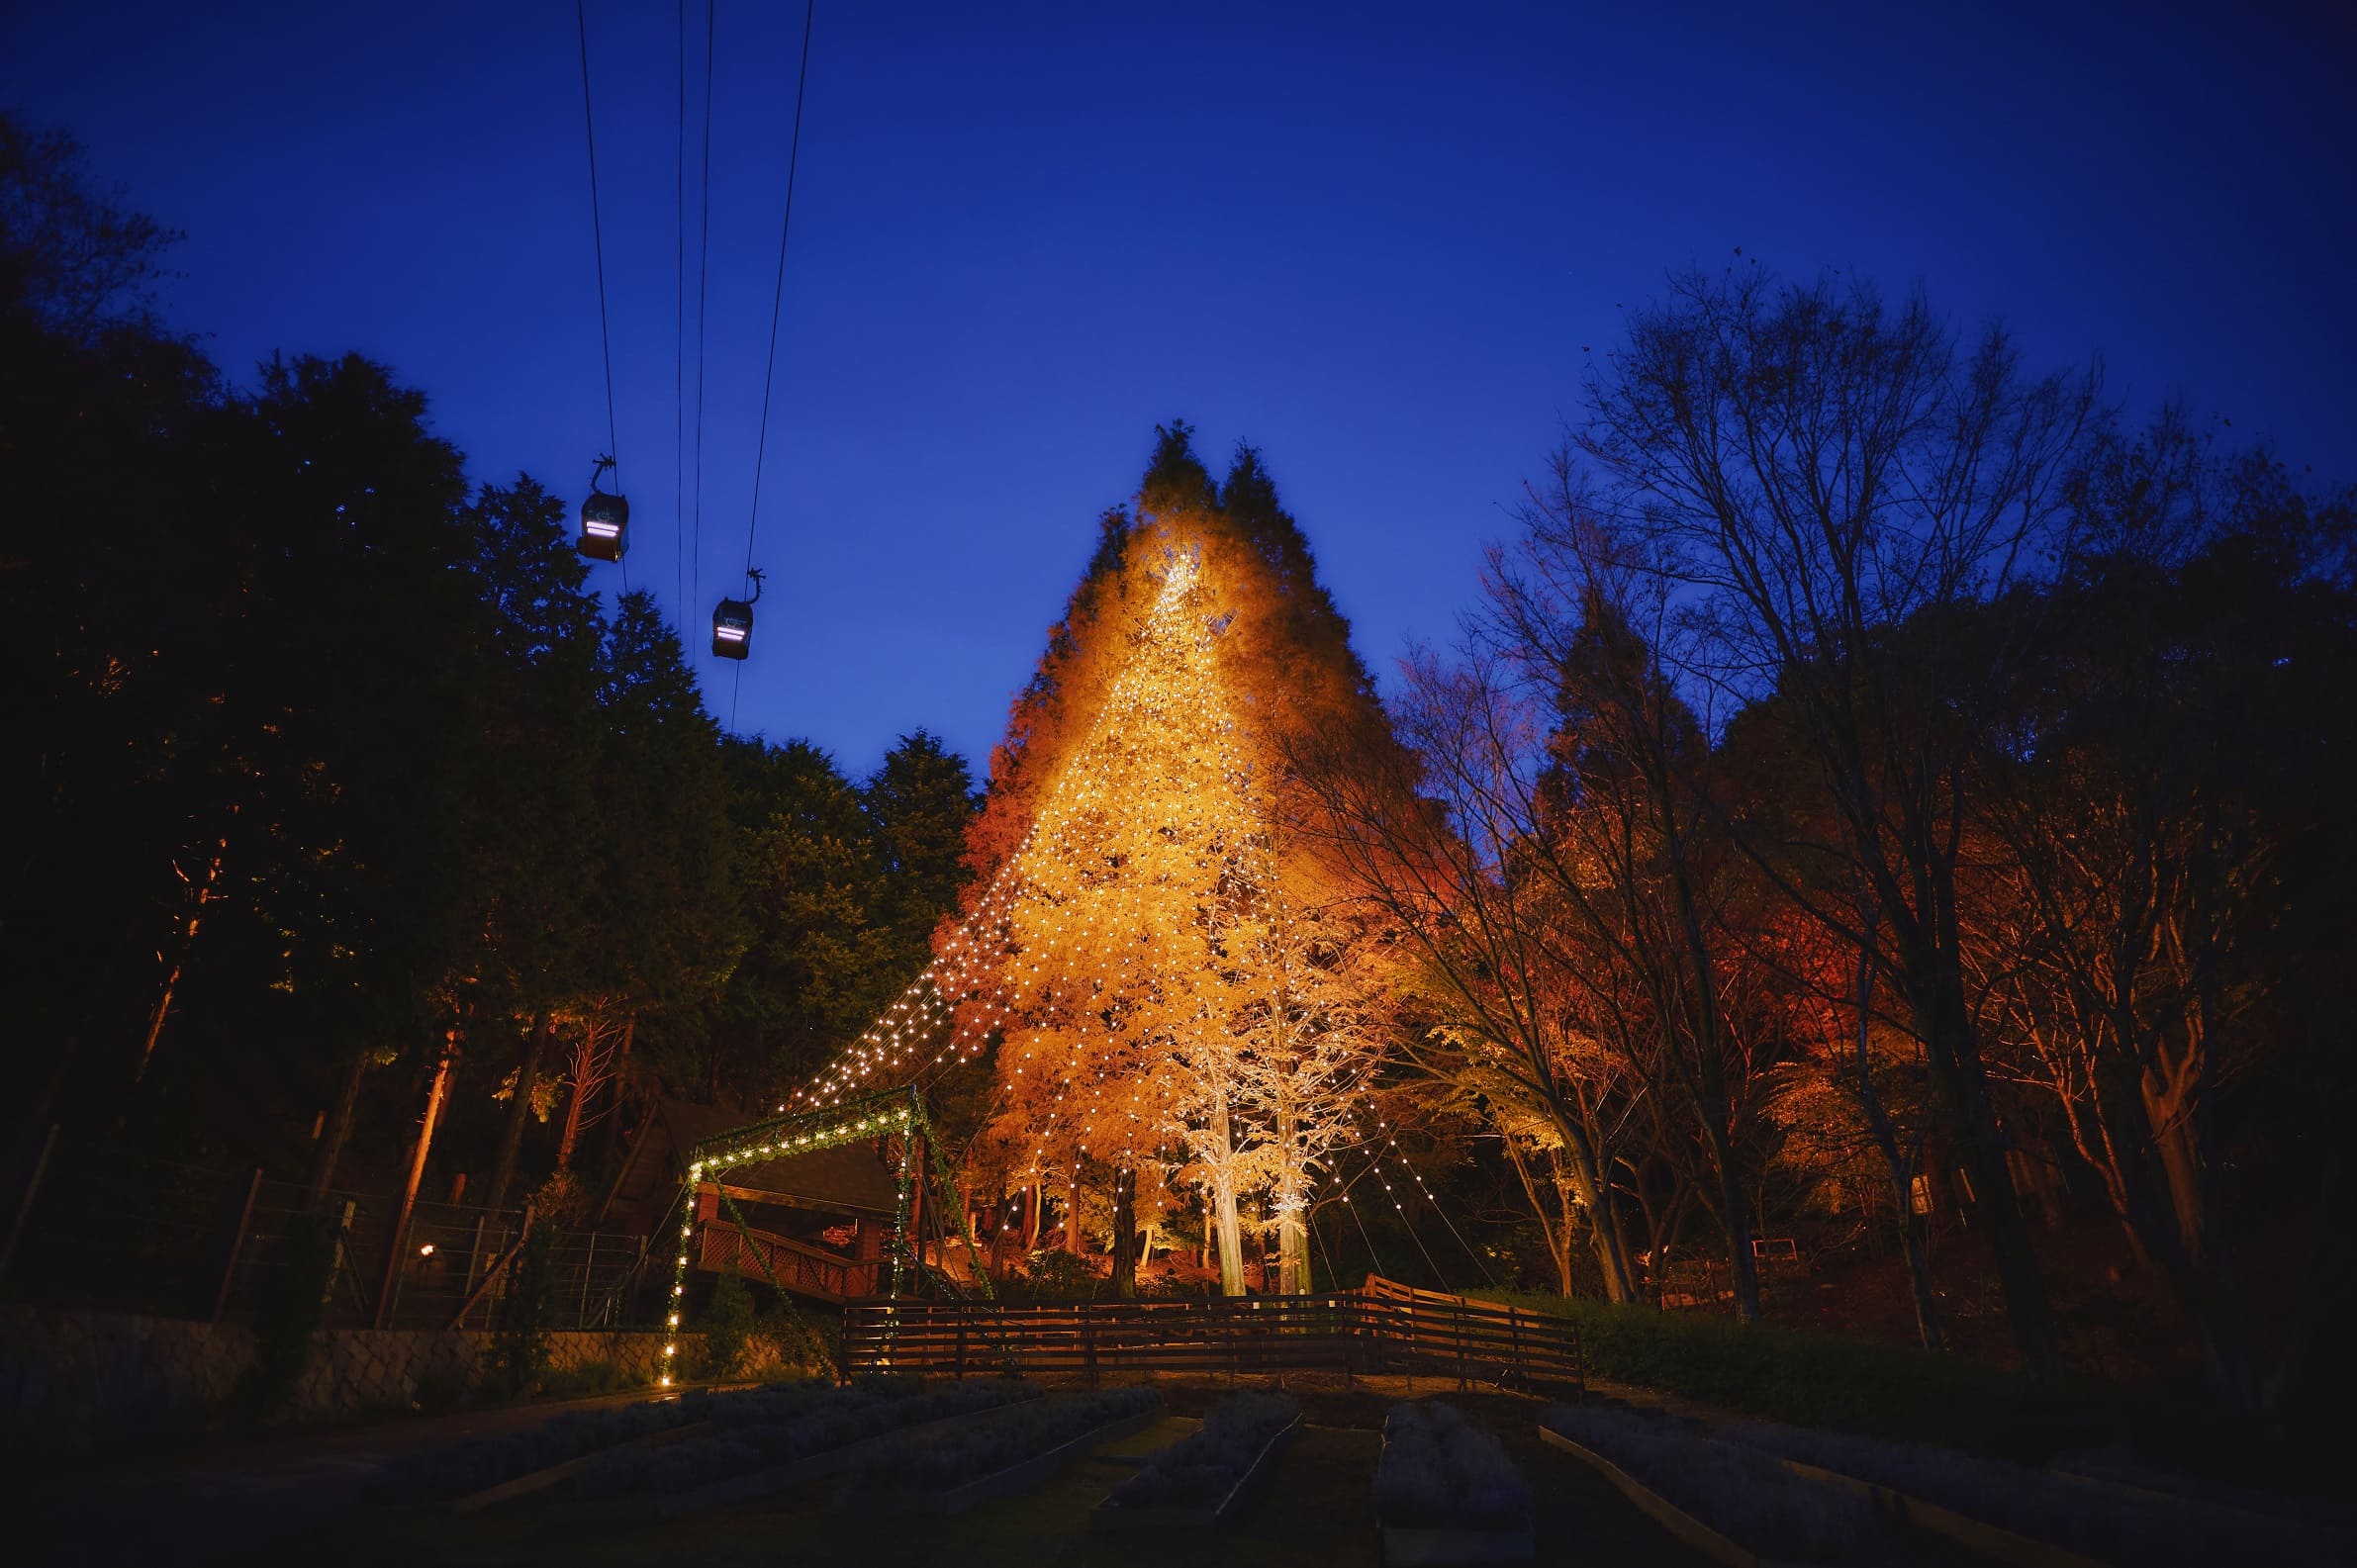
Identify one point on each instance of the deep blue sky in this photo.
(1375, 241)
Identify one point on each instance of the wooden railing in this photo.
(790, 1264)
(1383, 1328)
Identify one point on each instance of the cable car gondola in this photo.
(733, 623)
(605, 518)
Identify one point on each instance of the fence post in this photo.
(1088, 1342)
(474, 1261)
(16, 1226)
(589, 1266)
(237, 1250)
(335, 1269)
(1457, 1319)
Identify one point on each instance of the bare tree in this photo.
(601, 1038)
(2148, 913)
(1429, 840)
(1829, 482)
(1626, 835)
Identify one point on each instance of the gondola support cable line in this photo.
(768, 373)
(604, 515)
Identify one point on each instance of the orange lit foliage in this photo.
(1179, 1004)
(1165, 991)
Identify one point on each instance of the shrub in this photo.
(1200, 1470)
(603, 1375)
(1814, 1379)
(520, 1344)
(1738, 1491)
(1058, 1275)
(1437, 1472)
(812, 1345)
(940, 1460)
(292, 1305)
(727, 1323)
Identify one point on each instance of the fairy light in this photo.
(1094, 953)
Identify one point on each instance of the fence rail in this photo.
(781, 1260)
(1381, 1328)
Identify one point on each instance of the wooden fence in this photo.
(781, 1260)
(1382, 1327)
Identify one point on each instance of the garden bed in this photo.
(467, 1470)
(1446, 1493)
(2039, 1519)
(1736, 1504)
(949, 1471)
(1201, 1479)
(780, 1445)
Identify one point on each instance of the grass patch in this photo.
(586, 1379)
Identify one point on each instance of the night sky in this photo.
(1379, 243)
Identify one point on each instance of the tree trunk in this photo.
(1293, 1249)
(337, 1130)
(571, 1132)
(1230, 1237)
(1953, 1049)
(188, 935)
(1588, 1184)
(610, 1143)
(397, 1242)
(1735, 1220)
(576, 1093)
(1901, 1165)
(1071, 1218)
(1558, 1229)
(502, 1169)
(1125, 1241)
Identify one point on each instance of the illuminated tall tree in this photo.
(1126, 954)
(1132, 881)
(1309, 1041)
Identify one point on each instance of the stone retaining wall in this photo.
(75, 1381)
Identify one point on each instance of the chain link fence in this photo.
(107, 1229)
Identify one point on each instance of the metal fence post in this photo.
(589, 1266)
(237, 1250)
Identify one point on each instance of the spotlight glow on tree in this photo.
(1152, 1002)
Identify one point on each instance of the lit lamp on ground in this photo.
(605, 518)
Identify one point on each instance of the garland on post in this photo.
(899, 1112)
